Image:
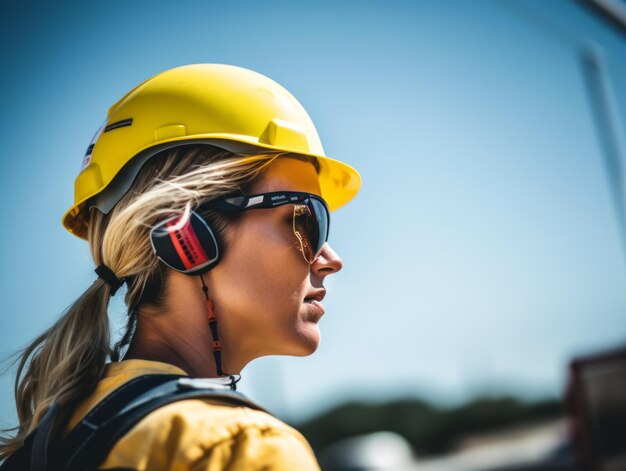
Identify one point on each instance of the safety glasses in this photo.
(311, 217)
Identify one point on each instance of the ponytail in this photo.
(64, 363)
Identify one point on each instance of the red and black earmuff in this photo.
(186, 243)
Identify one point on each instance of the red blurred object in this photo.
(596, 407)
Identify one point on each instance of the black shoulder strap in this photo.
(36, 451)
(88, 444)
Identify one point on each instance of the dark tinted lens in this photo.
(321, 215)
(305, 228)
(310, 224)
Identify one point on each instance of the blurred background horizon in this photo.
(487, 246)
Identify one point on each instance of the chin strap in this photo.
(217, 345)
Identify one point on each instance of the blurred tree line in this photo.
(430, 430)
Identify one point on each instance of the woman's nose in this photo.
(327, 262)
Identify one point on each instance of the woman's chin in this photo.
(307, 342)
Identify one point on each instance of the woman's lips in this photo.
(314, 299)
(316, 295)
(316, 305)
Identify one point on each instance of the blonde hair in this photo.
(67, 360)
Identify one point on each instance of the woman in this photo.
(208, 193)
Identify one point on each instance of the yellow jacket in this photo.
(198, 434)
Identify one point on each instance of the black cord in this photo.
(217, 349)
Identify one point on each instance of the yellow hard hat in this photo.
(227, 106)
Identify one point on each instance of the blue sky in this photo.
(483, 251)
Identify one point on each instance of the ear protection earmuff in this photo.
(186, 244)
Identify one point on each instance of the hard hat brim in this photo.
(339, 182)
